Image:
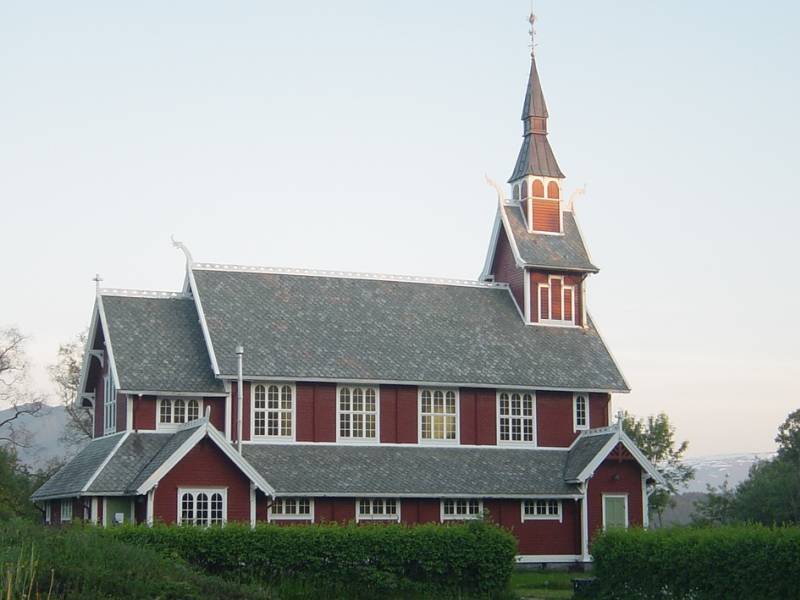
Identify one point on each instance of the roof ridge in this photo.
(232, 268)
(131, 293)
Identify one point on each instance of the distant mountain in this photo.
(713, 470)
(46, 428)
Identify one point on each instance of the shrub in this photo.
(473, 559)
(83, 563)
(737, 562)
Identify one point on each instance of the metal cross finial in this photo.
(532, 30)
(97, 279)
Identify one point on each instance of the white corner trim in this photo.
(201, 316)
(252, 505)
(492, 249)
(107, 335)
(106, 460)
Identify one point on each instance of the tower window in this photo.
(552, 190)
(516, 192)
(524, 189)
(580, 412)
(557, 302)
(538, 188)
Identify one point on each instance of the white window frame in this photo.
(559, 516)
(294, 516)
(627, 513)
(266, 437)
(549, 287)
(208, 491)
(68, 504)
(358, 440)
(435, 442)
(500, 442)
(172, 425)
(377, 517)
(455, 517)
(575, 425)
(109, 405)
(48, 511)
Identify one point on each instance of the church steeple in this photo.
(535, 156)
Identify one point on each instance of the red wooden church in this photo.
(264, 394)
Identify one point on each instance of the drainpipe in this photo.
(239, 397)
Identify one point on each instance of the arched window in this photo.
(552, 190)
(206, 506)
(580, 412)
(537, 188)
(187, 508)
(193, 411)
(524, 189)
(273, 410)
(516, 192)
(179, 411)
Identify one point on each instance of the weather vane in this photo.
(532, 30)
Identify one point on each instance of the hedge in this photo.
(471, 559)
(737, 562)
(82, 563)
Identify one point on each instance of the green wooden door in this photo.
(615, 511)
(119, 511)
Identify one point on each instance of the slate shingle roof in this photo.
(158, 345)
(582, 453)
(565, 251)
(536, 158)
(73, 477)
(139, 455)
(322, 469)
(340, 328)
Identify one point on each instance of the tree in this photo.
(717, 508)
(655, 437)
(66, 374)
(16, 399)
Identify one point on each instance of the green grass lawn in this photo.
(543, 585)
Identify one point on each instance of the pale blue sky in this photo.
(355, 135)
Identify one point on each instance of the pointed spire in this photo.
(535, 157)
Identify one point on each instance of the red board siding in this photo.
(505, 269)
(615, 477)
(245, 410)
(122, 412)
(598, 410)
(217, 406)
(204, 466)
(341, 510)
(478, 419)
(554, 426)
(316, 412)
(546, 215)
(539, 536)
(419, 510)
(399, 414)
(144, 412)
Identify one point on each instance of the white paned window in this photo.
(580, 411)
(109, 405)
(438, 412)
(461, 508)
(298, 509)
(358, 413)
(547, 509)
(378, 509)
(175, 412)
(202, 507)
(516, 417)
(557, 302)
(66, 509)
(273, 411)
